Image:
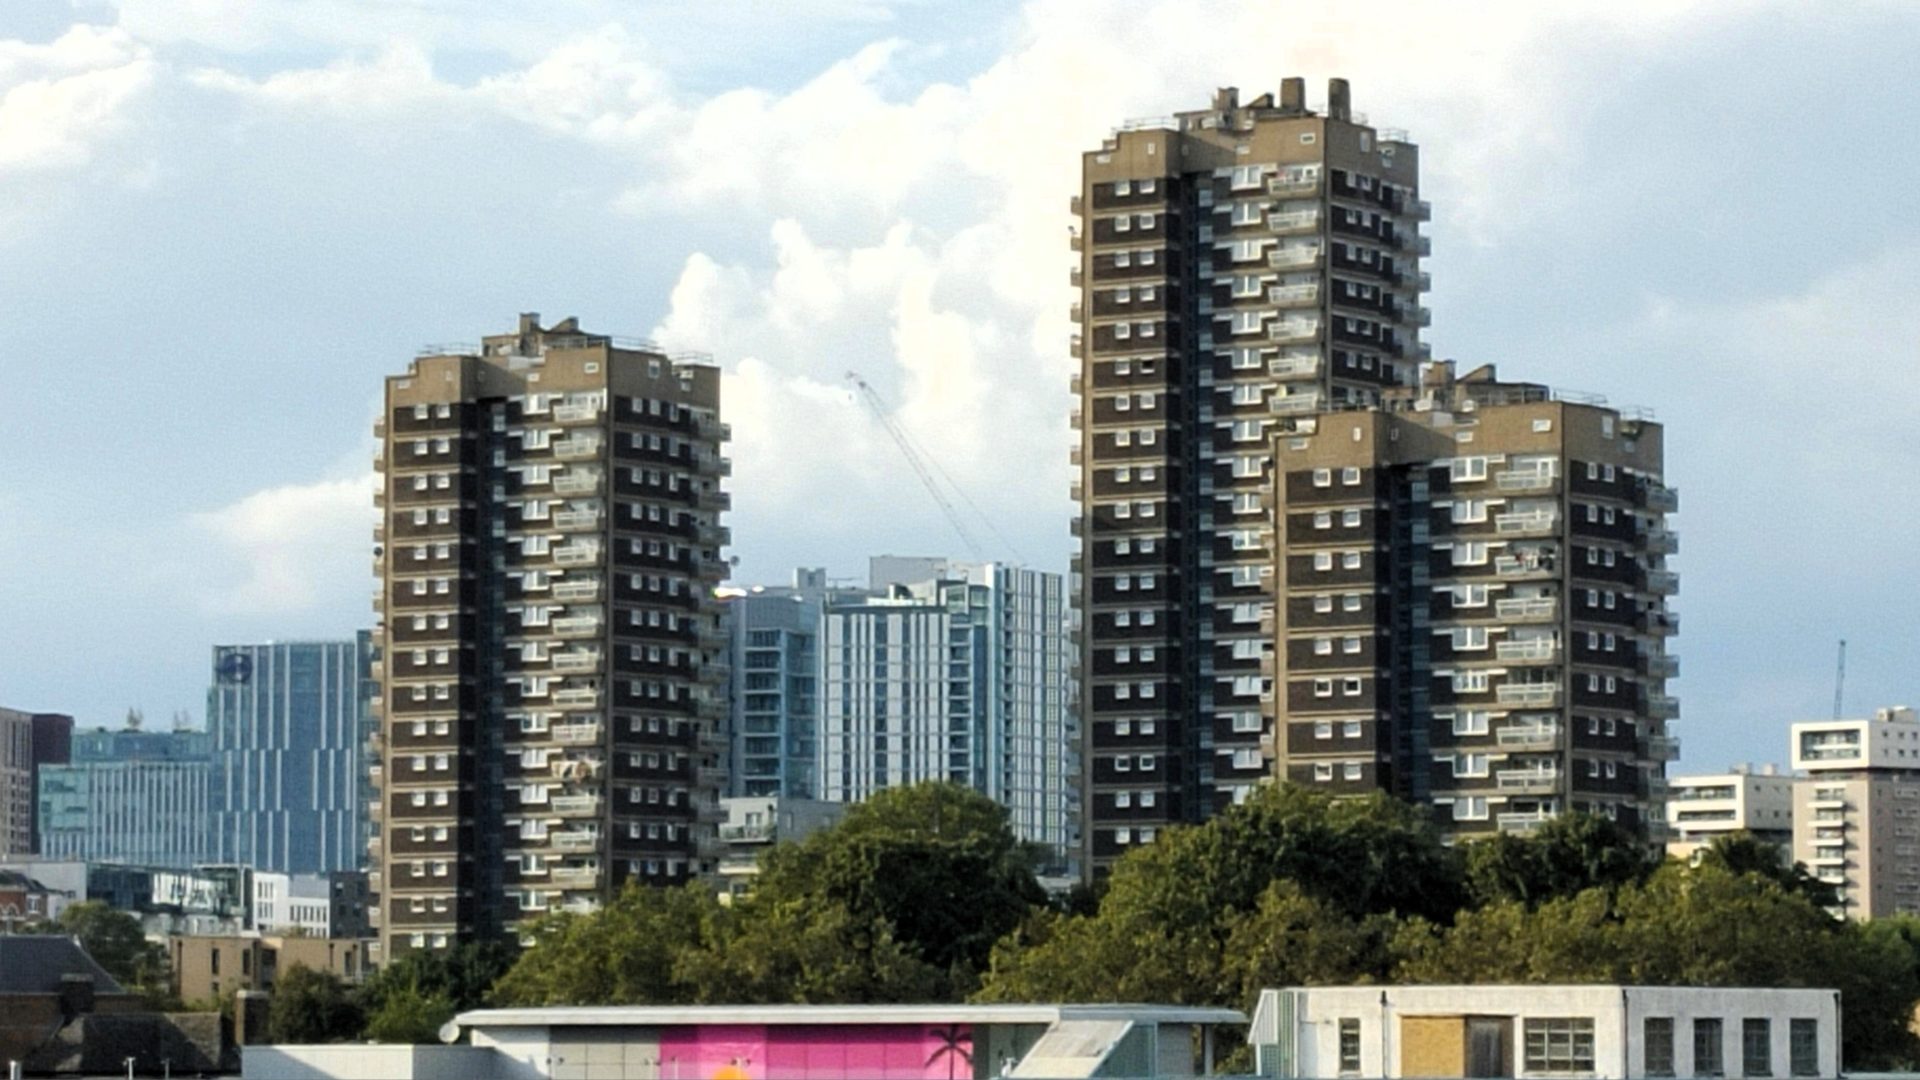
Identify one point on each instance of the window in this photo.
(1707, 1059)
(1559, 1044)
(1803, 1046)
(1470, 722)
(1756, 1046)
(1350, 476)
(1322, 477)
(1469, 468)
(1657, 1037)
(1470, 808)
(1349, 1044)
(1322, 771)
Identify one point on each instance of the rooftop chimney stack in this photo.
(1293, 95)
(1339, 100)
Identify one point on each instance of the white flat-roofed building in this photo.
(1592, 1032)
(1701, 809)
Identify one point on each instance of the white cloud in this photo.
(286, 549)
(57, 100)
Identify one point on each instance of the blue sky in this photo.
(221, 222)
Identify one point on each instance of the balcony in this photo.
(1294, 404)
(576, 734)
(574, 840)
(1662, 623)
(1527, 609)
(576, 698)
(1663, 582)
(758, 833)
(574, 877)
(576, 449)
(710, 776)
(576, 660)
(1660, 541)
(577, 554)
(576, 591)
(1521, 566)
(1293, 187)
(1289, 331)
(1661, 498)
(577, 626)
(1294, 367)
(1659, 665)
(1522, 822)
(1526, 523)
(1298, 257)
(577, 520)
(576, 414)
(1294, 295)
(1421, 210)
(1662, 706)
(1074, 242)
(1524, 480)
(1535, 695)
(1530, 737)
(1537, 651)
(577, 482)
(1663, 747)
(571, 806)
(1294, 221)
(1528, 781)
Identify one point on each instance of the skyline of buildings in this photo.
(548, 644)
(130, 796)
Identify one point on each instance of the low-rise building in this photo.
(25, 900)
(1856, 820)
(787, 1042)
(1701, 809)
(207, 967)
(1594, 1032)
(755, 824)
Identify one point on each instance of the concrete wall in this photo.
(370, 1063)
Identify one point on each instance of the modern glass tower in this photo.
(129, 796)
(289, 722)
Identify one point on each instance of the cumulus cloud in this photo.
(57, 100)
(287, 549)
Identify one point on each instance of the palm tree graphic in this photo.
(954, 1043)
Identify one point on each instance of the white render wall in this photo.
(1617, 1013)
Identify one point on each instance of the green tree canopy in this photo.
(1568, 854)
(311, 1006)
(117, 943)
(410, 998)
(624, 954)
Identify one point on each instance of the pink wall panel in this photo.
(824, 1052)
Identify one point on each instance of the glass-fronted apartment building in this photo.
(130, 796)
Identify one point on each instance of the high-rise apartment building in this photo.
(1702, 809)
(774, 695)
(1471, 606)
(130, 796)
(1239, 268)
(959, 676)
(1856, 816)
(289, 723)
(29, 742)
(549, 649)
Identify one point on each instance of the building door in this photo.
(1489, 1042)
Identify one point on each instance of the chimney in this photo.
(1339, 100)
(1226, 99)
(529, 322)
(1293, 95)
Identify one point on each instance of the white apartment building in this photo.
(1700, 809)
(1591, 1032)
(1857, 816)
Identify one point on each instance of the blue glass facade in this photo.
(129, 797)
(289, 723)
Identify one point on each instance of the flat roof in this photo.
(774, 1015)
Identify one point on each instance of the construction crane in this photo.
(1840, 679)
(925, 467)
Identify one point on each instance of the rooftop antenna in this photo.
(1840, 679)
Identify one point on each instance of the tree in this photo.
(311, 1006)
(1568, 854)
(117, 943)
(624, 954)
(406, 1013)
(766, 952)
(1745, 853)
(409, 999)
(1164, 929)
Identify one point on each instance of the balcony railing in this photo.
(1661, 541)
(576, 449)
(1294, 403)
(1516, 566)
(1526, 608)
(1659, 665)
(1293, 221)
(576, 413)
(1536, 651)
(1662, 622)
(575, 734)
(1663, 706)
(577, 555)
(1294, 295)
(576, 520)
(748, 834)
(576, 591)
(576, 698)
(577, 626)
(1662, 498)
(576, 660)
(1297, 257)
(1529, 736)
(1293, 187)
(1663, 747)
(1524, 480)
(1293, 330)
(1523, 821)
(1664, 582)
(574, 805)
(1528, 781)
(1528, 693)
(1527, 523)
(1294, 367)
(574, 840)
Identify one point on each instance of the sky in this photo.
(222, 222)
